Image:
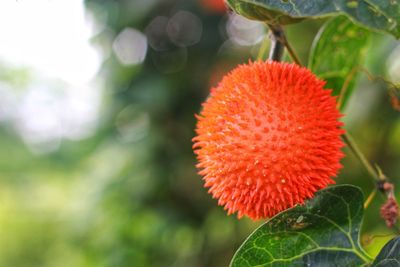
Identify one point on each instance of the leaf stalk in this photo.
(349, 140)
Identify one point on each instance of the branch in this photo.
(348, 139)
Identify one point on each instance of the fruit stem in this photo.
(277, 36)
(348, 139)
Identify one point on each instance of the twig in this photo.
(292, 53)
(370, 198)
(389, 210)
(348, 139)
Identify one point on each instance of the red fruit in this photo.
(217, 6)
(268, 138)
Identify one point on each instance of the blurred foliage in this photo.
(129, 195)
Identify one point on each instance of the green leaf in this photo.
(389, 255)
(337, 54)
(382, 15)
(323, 232)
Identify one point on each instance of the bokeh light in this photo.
(184, 29)
(61, 97)
(130, 46)
(156, 33)
(243, 31)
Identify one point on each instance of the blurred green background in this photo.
(101, 172)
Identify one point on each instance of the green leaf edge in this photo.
(315, 43)
(362, 254)
(396, 241)
(327, 75)
(321, 31)
(325, 15)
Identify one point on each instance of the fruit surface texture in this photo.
(268, 137)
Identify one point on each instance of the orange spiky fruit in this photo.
(268, 138)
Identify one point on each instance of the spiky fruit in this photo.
(268, 138)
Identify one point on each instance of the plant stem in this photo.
(348, 139)
(345, 86)
(370, 198)
(292, 53)
(277, 46)
(279, 37)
